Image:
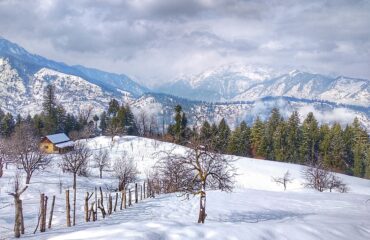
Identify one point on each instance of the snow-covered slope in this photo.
(247, 83)
(257, 209)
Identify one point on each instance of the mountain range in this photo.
(236, 92)
(242, 83)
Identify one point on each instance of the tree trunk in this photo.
(202, 205)
(68, 209)
(51, 212)
(21, 216)
(28, 178)
(101, 173)
(17, 222)
(74, 198)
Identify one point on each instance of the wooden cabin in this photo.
(56, 143)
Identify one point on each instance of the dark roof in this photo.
(58, 138)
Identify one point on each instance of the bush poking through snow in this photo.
(283, 180)
(318, 177)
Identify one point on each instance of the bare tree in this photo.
(101, 159)
(25, 151)
(75, 162)
(125, 170)
(283, 180)
(197, 170)
(318, 177)
(18, 190)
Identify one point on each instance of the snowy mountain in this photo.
(218, 84)
(23, 77)
(246, 83)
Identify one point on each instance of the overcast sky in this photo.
(155, 41)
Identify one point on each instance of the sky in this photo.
(156, 41)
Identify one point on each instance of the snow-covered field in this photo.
(257, 209)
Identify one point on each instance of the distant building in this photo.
(56, 143)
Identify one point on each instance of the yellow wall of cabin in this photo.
(47, 147)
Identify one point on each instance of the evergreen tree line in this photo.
(345, 150)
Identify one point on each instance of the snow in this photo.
(258, 208)
(58, 138)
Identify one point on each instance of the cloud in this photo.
(155, 41)
(341, 115)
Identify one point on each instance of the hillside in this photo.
(257, 208)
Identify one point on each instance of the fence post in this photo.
(136, 193)
(129, 197)
(141, 192)
(68, 209)
(42, 209)
(51, 212)
(115, 203)
(45, 212)
(144, 190)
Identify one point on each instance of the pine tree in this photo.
(257, 136)
(359, 148)
(294, 138)
(270, 128)
(113, 108)
(280, 142)
(50, 109)
(205, 134)
(130, 123)
(367, 170)
(310, 139)
(239, 141)
(348, 138)
(222, 137)
(337, 149)
(103, 122)
(325, 141)
(179, 130)
(7, 125)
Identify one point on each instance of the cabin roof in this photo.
(65, 144)
(58, 138)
